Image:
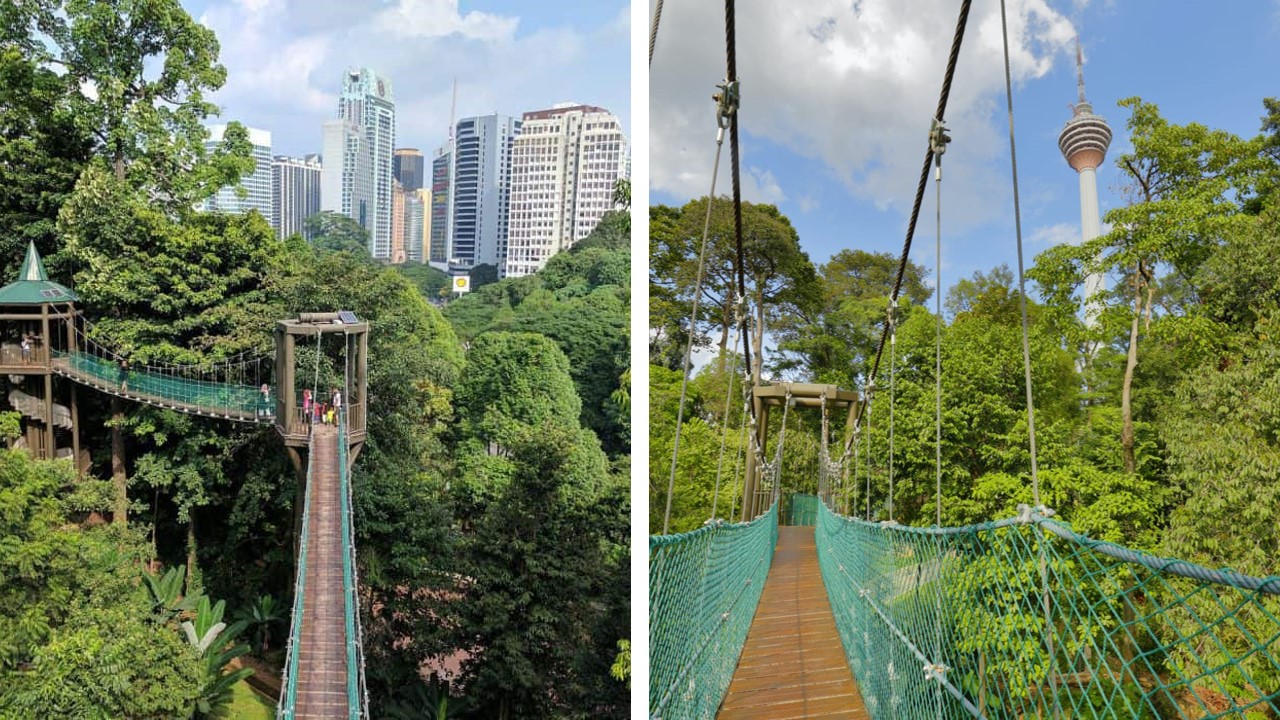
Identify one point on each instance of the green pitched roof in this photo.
(33, 287)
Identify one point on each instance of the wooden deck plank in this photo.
(793, 665)
(322, 656)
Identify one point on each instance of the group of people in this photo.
(315, 410)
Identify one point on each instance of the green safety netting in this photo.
(802, 509)
(356, 695)
(186, 394)
(704, 587)
(1024, 618)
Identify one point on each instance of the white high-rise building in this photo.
(481, 190)
(346, 179)
(295, 188)
(367, 103)
(254, 190)
(564, 165)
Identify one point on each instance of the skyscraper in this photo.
(441, 204)
(295, 189)
(481, 189)
(256, 185)
(564, 166)
(407, 168)
(418, 251)
(367, 103)
(406, 234)
(346, 180)
(1084, 142)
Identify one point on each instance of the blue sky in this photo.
(285, 60)
(838, 95)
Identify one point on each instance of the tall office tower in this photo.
(398, 196)
(441, 204)
(346, 180)
(256, 185)
(564, 165)
(481, 189)
(418, 250)
(411, 220)
(407, 168)
(295, 189)
(1084, 142)
(367, 103)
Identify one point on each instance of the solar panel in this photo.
(52, 293)
(347, 317)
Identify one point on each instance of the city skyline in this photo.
(282, 60)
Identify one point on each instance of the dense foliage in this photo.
(491, 496)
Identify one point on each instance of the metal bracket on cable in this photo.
(726, 102)
(935, 672)
(938, 139)
(1026, 513)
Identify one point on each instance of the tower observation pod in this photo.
(1084, 142)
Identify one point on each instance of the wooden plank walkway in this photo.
(322, 657)
(793, 664)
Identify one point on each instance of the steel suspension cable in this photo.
(945, 94)
(693, 329)
(653, 30)
(731, 80)
(940, 147)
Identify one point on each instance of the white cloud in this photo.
(1059, 234)
(440, 18)
(852, 86)
(760, 186)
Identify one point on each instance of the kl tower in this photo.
(1084, 142)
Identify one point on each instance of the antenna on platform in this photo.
(453, 104)
(1079, 69)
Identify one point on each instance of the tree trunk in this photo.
(1126, 394)
(504, 708)
(120, 511)
(193, 586)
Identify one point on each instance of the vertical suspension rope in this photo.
(724, 427)
(868, 407)
(940, 143)
(893, 343)
(1026, 364)
(693, 330)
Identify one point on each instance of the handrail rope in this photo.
(949, 74)
(724, 427)
(1026, 361)
(693, 329)
(105, 351)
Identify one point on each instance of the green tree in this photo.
(108, 663)
(483, 274)
(1184, 182)
(336, 232)
(42, 151)
(837, 341)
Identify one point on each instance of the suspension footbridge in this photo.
(45, 337)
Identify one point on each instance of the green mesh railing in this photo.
(1024, 618)
(287, 706)
(704, 587)
(350, 586)
(184, 394)
(801, 509)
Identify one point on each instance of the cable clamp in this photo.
(935, 672)
(1024, 514)
(1045, 511)
(862, 593)
(888, 523)
(938, 139)
(726, 102)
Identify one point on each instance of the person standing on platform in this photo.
(306, 405)
(336, 398)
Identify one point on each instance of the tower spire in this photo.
(1079, 69)
(453, 106)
